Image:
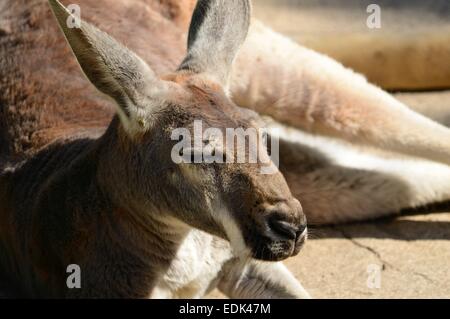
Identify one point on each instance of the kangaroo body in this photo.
(70, 192)
(60, 220)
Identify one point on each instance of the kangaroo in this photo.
(83, 184)
(138, 224)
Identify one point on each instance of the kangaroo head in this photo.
(233, 199)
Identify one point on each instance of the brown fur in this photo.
(111, 201)
(39, 74)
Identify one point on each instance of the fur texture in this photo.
(75, 187)
(118, 206)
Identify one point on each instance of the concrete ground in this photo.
(406, 257)
(412, 254)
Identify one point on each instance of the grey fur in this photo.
(111, 67)
(218, 29)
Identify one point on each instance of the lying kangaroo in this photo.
(113, 202)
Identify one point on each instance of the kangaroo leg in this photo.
(337, 183)
(259, 280)
(302, 88)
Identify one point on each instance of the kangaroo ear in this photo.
(113, 69)
(218, 29)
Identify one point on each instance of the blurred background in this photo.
(410, 51)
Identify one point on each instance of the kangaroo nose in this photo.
(283, 228)
(287, 221)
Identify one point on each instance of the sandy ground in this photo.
(412, 253)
